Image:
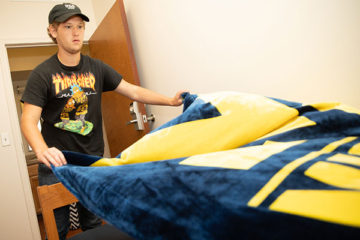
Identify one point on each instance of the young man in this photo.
(65, 92)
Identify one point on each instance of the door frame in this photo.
(15, 131)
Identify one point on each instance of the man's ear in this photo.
(52, 31)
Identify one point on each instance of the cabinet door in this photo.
(111, 43)
(34, 182)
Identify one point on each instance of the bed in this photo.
(231, 166)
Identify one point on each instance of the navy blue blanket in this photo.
(232, 166)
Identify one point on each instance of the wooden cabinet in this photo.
(34, 182)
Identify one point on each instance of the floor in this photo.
(42, 229)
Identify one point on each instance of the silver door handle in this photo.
(136, 116)
(131, 122)
(150, 118)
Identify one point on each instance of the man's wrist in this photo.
(40, 151)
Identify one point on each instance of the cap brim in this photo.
(65, 17)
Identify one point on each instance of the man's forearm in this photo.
(147, 96)
(33, 136)
(43, 153)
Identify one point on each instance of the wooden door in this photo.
(111, 43)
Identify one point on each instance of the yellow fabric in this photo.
(338, 206)
(293, 124)
(335, 206)
(279, 177)
(335, 174)
(240, 158)
(355, 149)
(345, 158)
(335, 105)
(245, 111)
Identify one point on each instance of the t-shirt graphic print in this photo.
(73, 114)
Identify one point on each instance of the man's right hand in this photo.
(51, 156)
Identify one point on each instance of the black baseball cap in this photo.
(62, 12)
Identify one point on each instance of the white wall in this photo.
(28, 20)
(18, 217)
(305, 50)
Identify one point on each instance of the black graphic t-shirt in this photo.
(70, 98)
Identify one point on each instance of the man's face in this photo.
(70, 35)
